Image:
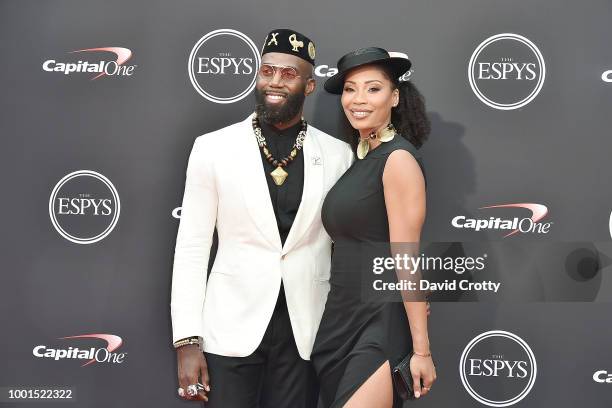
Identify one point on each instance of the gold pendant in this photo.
(387, 133)
(363, 148)
(279, 175)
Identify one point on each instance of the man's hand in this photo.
(191, 367)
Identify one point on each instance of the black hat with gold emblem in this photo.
(398, 63)
(289, 42)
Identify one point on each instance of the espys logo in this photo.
(223, 66)
(526, 225)
(84, 207)
(93, 355)
(114, 67)
(506, 71)
(498, 368)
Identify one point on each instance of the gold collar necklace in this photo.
(384, 135)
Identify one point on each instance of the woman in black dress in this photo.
(380, 199)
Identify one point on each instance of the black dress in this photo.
(356, 337)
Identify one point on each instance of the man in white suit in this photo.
(261, 182)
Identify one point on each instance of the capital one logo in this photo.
(506, 71)
(84, 207)
(602, 376)
(223, 66)
(101, 66)
(498, 368)
(106, 354)
(325, 71)
(514, 225)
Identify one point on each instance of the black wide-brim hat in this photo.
(397, 62)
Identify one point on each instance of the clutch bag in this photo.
(402, 378)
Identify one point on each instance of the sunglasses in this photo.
(288, 74)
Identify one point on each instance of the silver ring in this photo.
(181, 392)
(427, 388)
(200, 387)
(192, 390)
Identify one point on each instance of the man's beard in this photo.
(279, 114)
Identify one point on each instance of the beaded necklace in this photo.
(279, 175)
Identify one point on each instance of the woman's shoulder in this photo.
(405, 144)
(400, 161)
(397, 143)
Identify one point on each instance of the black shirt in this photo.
(285, 198)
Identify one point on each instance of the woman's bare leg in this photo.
(375, 392)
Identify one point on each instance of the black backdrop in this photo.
(128, 137)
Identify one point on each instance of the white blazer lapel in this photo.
(312, 193)
(255, 187)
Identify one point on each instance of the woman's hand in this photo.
(422, 368)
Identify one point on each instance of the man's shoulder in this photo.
(220, 138)
(227, 132)
(330, 143)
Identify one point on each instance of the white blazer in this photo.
(226, 187)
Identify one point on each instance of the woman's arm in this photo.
(404, 189)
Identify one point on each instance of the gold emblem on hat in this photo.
(273, 39)
(295, 43)
(311, 50)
